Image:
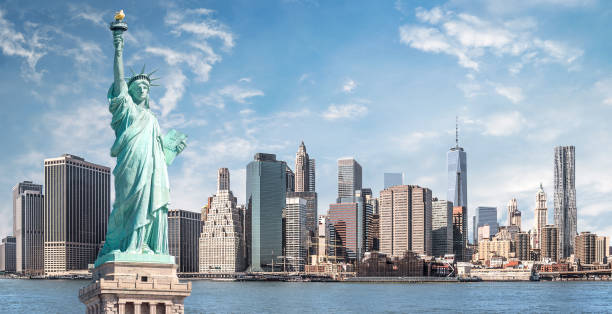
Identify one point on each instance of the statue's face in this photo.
(139, 90)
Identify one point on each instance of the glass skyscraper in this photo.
(456, 162)
(265, 193)
(485, 216)
(565, 198)
(349, 179)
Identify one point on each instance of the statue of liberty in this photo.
(138, 223)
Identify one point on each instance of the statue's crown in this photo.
(142, 76)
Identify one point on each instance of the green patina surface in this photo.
(138, 223)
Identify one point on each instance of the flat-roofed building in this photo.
(550, 243)
(184, 229)
(442, 227)
(296, 234)
(8, 259)
(77, 206)
(585, 247)
(28, 215)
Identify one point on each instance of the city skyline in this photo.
(497, 115)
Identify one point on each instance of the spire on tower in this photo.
(456, 131)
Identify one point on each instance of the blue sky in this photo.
(379, 80)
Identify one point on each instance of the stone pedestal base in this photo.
(139, 288)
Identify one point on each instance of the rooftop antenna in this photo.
(456, 131)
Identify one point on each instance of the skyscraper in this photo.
(421, 220)
(266, 193)
(485, 216)
(442, 227)
(77, 206)
(222, 240)
(550, 243)
(456, 162)
(393, 179)
(586, 247)
(395, 220)
(8, 258)
(541, 217)
(565, 198)
(405, 220)
(349, 179)
(296, 234)
(28, 227)
(346, 231)
(184, 229)
(514, 215)
(305, 188)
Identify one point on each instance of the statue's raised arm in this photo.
(118, 27)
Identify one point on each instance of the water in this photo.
(60, 296)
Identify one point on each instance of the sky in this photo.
(381, 81)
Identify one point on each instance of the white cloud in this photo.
(175, 87)
(469, 38)
(349, 85)
(236, 93)
(239, 94)
(245, 80)
(195, 61)
(348, 111)
(181, 21)
(27, 46)
(513, 93)
(87, 13)
(432, 16)
(503, 124)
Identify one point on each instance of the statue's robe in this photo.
(138, 222)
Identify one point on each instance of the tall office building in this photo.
(184, 229)
(346, 231)
(586, 247)
(393, 179)
(349, 179)
(459, 233)
(296, 234)
(305, 188)
(8, 258)
(456, 161)
(541, 217)
(602, 249)
(565, 198)
(514, 215)
(550, 243)
(395, 220)
(222, 242)
(421, 220)
(266, 194)
(77, 206)
(405, 220)
(485, 216)
(441, 227)
(28, 227)
(521, 246)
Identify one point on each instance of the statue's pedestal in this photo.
(128, 287)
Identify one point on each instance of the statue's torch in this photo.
(118, 26)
